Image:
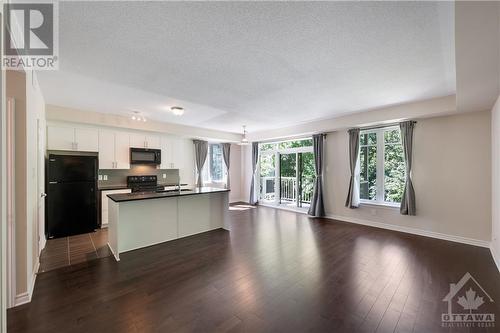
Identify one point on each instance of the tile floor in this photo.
(66, 251)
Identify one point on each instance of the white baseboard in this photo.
(25, 297)
(22, 298)
(414, 231)
(496, 256)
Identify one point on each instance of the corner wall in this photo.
(495, 181)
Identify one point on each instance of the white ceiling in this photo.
(263, 64)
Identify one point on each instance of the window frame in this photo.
(206, 172)
(380, 185)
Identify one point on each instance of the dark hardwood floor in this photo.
(275, 271)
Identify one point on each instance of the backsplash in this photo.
(119, 176)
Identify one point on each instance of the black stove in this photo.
(143, 184)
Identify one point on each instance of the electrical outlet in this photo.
(99, 177)
(105, 177)
(164, 175)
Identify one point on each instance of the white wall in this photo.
(235, 173)
(495, 198)
(451, 175)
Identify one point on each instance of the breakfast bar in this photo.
(138, 220)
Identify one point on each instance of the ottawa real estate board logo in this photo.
(469, 305)
(31, 35)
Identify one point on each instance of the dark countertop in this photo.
(155, 195)
(124, 186)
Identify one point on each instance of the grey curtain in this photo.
(352, 200)
(226, 153)
(255, 158)
(408, 206)
(317, 207)
(200, 154)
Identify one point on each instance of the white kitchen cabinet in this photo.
(86, 139)
(114, 150)
(104, 204)
(166, 152)
(71, 138)
(122, 150)
(106, 149)
(137, 140)
(183, 157)
(140, 140)
(153, 141)
(60, 138)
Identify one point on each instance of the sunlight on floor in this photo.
(241, 207)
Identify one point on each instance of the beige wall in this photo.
(29, 108)
(451, 175)
(495, 198)
(16, 88)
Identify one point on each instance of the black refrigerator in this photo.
(71, 195)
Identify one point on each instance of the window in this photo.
(214, 170)
(381, 166)
(286, 172)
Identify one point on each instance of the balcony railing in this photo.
(288, 189)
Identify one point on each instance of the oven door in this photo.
(145, 156)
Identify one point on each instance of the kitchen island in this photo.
(137, 220)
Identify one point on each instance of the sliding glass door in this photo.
(288, 179)
(286, 173)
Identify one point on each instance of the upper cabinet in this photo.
(114, 150)
(71, 138)
(140, 140)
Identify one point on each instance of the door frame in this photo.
(10, 177)
(40, 193)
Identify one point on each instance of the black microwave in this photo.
(145, 156)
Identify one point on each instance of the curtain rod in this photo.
(382, 126)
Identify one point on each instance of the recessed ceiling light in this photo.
(177, 110)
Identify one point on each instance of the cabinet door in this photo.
(87, 139)
(166, 152)
(122, 150)
(153, 141)
(60, 138)
(137, 140)
(106, 149)
(184, 159)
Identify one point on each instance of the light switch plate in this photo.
(99, 177)
(105, 177)
(164, 175)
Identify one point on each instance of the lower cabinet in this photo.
(104, 204)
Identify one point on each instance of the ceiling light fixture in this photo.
(177, 110)
(138, 116)
(244, 140)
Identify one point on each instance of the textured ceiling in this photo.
(264, 64)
